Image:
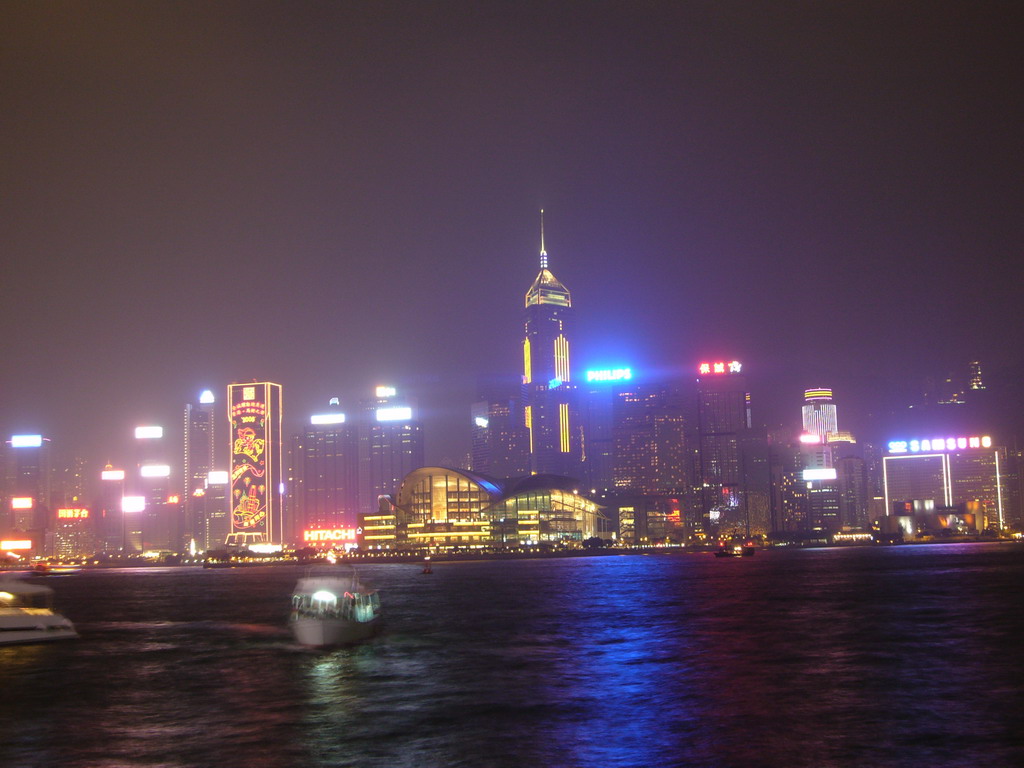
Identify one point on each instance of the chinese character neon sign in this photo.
(940, 444)
(72, 514)
(720, 367)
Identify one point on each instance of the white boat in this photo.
(333, 610)
(27, 615)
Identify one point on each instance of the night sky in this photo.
(332, 195)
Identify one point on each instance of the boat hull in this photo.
(16, 631)
(324, 632)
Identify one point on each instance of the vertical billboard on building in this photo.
(254, 411)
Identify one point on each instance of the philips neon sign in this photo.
(610, 374)
(939, 444)
(717, 368)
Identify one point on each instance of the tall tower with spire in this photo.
(548, 392)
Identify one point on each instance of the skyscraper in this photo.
(390, 445)
(323, 490)
(548, 392)
(199, 459)
(254, 410)
(500, 438)
(732, 463)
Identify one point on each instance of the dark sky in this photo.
(332, 195)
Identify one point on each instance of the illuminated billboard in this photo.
(26, 441)
(819, 473)
(720, 367)
(255, 413)
(327, 418)
(22, 502)
(16, 545)
(217, 477)
(939, 444)
(149, 433)
(610, 374)
(394, 414)
(386, 392)
(112, 474)
(155, 470)
(133, 503)
(67, 513)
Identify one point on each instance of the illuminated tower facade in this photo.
(548, 392)
(257, 512)
(819, 413)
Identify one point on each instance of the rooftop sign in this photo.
(941, 444)
(716, 368)
(610, 374)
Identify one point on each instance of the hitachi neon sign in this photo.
(610, 374)
(329, 535)
(732, 367)
(939, 444)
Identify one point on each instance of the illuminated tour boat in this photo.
(331, 610)
(736, 549)
(27, 615)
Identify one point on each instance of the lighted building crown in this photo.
(546, 289)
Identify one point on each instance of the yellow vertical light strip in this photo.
(561, 358)
(999, 492)
(563, 426)
(529, 424)
(527, 372)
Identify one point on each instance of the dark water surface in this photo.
(898, 656)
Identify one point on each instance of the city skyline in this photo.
(357, 189)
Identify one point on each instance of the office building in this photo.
(200, 459)
(390, 445)
(323, 488)
(943, 474)
(500, 439)
(732, 472)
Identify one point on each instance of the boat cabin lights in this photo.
(324, 596)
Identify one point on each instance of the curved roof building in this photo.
(447, 508)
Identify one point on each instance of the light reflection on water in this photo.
(882, 657)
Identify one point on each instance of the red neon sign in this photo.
(735, 366)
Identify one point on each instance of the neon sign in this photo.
(112, 474)
(717, 368)
(22, 502)
(329, 535)
(149, 433)
(384, 392)
(16, 544)
(72, 514)
(939, 444)
(610, 374)
(248, 487)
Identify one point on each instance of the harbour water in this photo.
(895, 656)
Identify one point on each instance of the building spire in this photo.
(543, 253)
